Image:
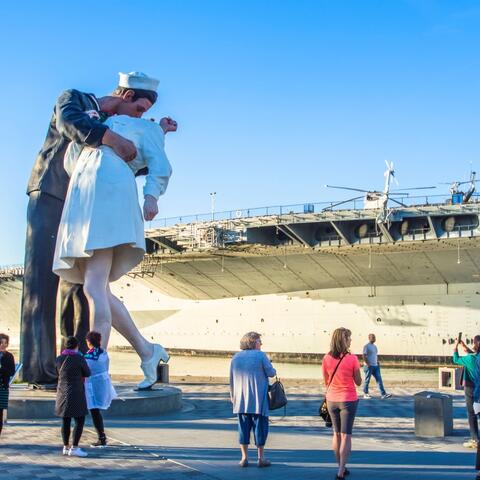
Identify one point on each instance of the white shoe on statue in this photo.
(150, 367)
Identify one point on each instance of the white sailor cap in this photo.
(138, 80)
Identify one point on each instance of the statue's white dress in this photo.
(101, 208)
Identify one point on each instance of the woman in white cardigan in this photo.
(101, 233)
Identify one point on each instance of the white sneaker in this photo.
(77, 452)
(367, 396)
(470, 444)
(65, 450)
(150, 368)
(387, 395)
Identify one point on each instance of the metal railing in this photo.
(298, 208)
(10, 272)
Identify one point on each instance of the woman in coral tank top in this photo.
(342, 399)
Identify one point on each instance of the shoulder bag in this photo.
(323, 410)
(276, 395)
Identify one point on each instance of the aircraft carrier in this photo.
(408, 273)
(405, 268)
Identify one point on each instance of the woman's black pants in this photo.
(98, 422)
(77, 430)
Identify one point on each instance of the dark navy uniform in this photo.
(76, 117)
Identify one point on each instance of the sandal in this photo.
(243, 463)
(346, 472)
(263, 463)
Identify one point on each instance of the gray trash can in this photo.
(433, 414)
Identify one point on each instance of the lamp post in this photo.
(212, 204)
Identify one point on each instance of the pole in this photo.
(212, 201)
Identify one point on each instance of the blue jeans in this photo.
(248, 422)
(472, 418)
(375, 371)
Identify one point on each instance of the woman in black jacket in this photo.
(7, 369)
(71, 403)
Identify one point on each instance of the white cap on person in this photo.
(138, 80)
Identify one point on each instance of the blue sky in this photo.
(273, 98)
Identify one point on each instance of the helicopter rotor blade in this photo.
(467, 181)
(416, 188)
(391, 171)
(348, 188)
(458, 183)
(396, 201)
(341, 203)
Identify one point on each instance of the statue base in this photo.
(25, 403)
(48, 387)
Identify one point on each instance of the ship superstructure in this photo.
(419, 245)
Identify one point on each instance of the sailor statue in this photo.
(79, 121)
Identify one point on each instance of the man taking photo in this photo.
(468, 362)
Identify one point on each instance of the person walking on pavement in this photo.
(476, 401)
(71, 402)
(249, 372)
(469, 362)
(341, 373)
(7, 370)
(372, 368)
(98, 386)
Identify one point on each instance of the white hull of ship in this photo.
(419, 321)
(412, 323)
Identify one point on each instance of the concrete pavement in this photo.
(201, 442)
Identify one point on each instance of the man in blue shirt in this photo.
(372, 368)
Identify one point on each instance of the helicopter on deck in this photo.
(374, 199)
(459, 196)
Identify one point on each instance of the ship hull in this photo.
(413, 324)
